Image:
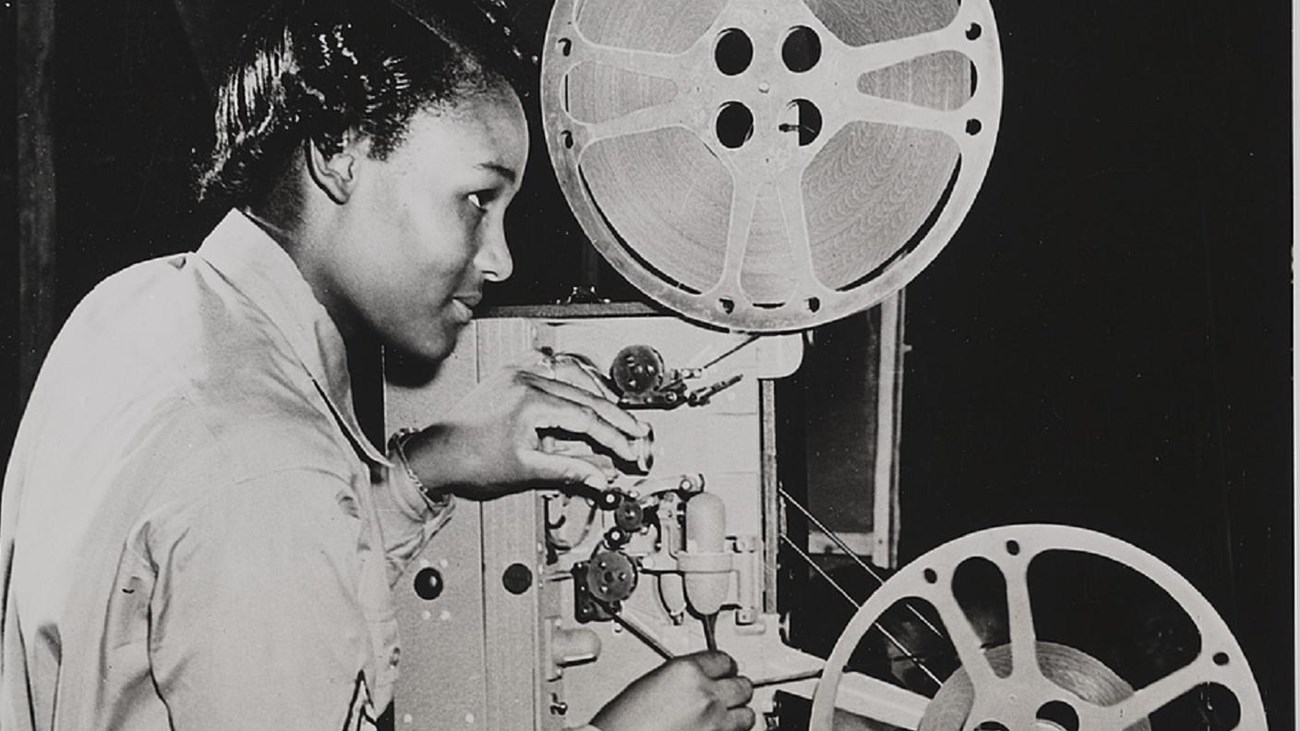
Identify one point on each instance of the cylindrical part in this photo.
(673, 594)
(706, 530)
(706, 524)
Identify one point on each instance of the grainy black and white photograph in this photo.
(647, 365)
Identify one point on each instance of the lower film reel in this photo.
(1044, 628)
(767, 165)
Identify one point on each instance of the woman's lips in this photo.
(464, 307)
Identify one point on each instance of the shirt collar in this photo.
(261, 270)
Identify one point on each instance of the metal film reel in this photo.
(1029, 683)
(769, 165)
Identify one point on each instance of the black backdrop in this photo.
(1105, 342)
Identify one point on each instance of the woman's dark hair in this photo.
(313, 70)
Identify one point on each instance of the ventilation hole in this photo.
(973, 127)
(814, 304)
(1220, 658)
(801, 50)
(567, 137)
(726, 305)
(566, 46)
(808, 121)
(733, 52)
(735, 125)
(930, 576)
(1013, 548)
(974, 31)
(1060, 715)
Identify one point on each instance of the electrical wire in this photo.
(562, 545)
(848, 551)
(897, 643)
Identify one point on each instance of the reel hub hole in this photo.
(1058, 715)
(734, 125)
(733, 51)
(807, 122)
(802, 49)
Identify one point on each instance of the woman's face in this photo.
(423, 229)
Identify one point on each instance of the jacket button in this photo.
(428, 583)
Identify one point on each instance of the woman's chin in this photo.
(415, 365)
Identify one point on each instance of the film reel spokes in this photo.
(769, 164)
(1027, 682)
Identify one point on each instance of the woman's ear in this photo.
(336, 173)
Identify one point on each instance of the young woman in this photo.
(196, 534)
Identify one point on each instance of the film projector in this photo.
(759, 169)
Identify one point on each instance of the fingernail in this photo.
(645, 457)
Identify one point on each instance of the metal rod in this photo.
(644, 635)
(916, 660)
(710, 622)
(788, 678)
(845, 548)
(728, 352)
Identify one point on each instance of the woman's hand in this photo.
(556, 422)
(699, 692)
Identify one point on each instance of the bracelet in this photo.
(397, 445)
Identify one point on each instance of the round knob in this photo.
(610, 499)
(428, 583)
(629, 515)
(611, 576)
(517, 578)
(637, 370)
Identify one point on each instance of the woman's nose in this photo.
(494, 258)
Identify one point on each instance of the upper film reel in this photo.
(770, 165)
(1024, 680)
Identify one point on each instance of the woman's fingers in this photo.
(570, 470)
(608, 410)
(714, 663)
(735, 691)
(551, 412)
(580, 412)
(580, 450)
(580, 372)
(740, 719)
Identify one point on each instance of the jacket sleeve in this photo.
(257, 616)
(407, 517)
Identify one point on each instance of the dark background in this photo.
(1106, 341)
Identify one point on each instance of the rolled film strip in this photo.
(770, 165)
(1026, 680)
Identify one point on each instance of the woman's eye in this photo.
(479, 200)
